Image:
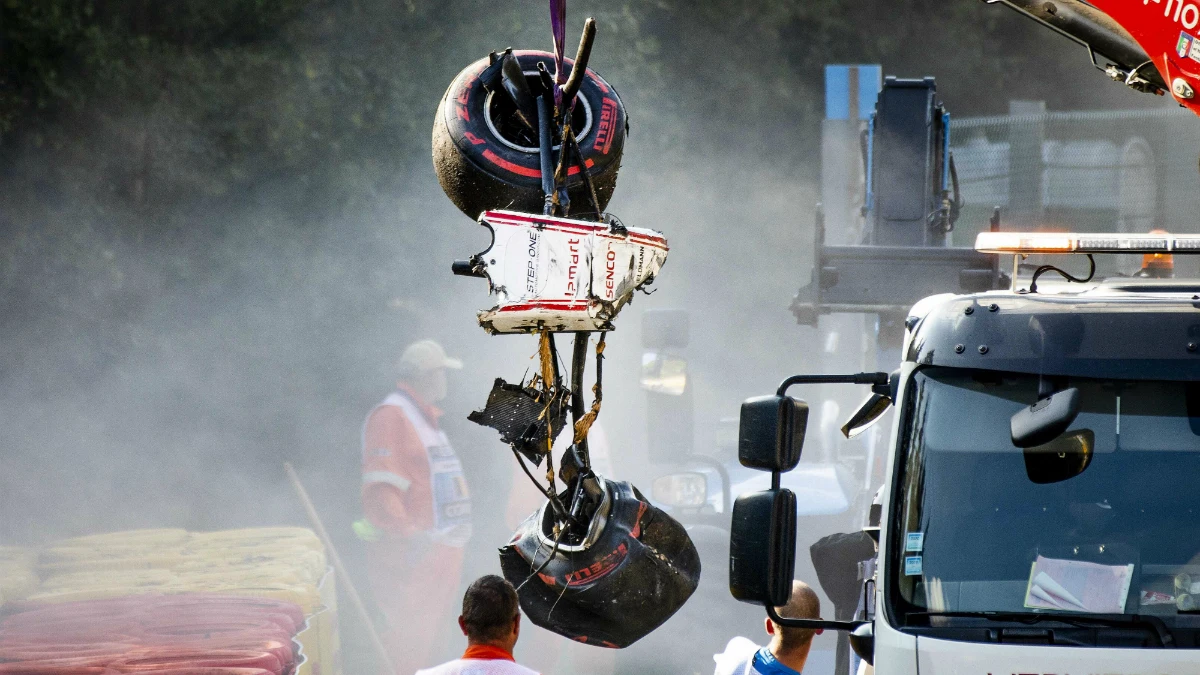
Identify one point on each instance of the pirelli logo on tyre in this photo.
(606, 127)
(599, 568)
(463, 99)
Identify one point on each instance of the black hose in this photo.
(578, 365)
(553, 552)
(1051, 268)
(554, 362)
(599, 389)
(957, 203)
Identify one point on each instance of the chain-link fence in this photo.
(1117, 171)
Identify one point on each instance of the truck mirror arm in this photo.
(873, 379)
(862, 633)
(812, 623)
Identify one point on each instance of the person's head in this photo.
(490, 613)
(423, 366)
(804, 604)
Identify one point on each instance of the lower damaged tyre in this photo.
(633, 570)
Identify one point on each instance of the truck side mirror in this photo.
(882, 397)
(762, 547)
(771, 432)
(867, 414)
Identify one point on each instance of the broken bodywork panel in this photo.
(633, 570)
(559, 274)
(526, 417)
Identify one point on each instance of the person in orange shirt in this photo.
(417, 507)
(491, 620)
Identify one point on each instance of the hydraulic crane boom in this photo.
(1151, 45)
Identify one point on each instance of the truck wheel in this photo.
(485, 160)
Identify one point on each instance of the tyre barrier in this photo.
(148, 634)
(198, 658)
(195, 670)
(258, 601)
(52, 669)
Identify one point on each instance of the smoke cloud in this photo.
(190, 301)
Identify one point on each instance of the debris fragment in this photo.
(527, 418)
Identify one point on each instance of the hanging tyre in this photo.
(486, 158)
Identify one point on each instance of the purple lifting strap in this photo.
(558, 27)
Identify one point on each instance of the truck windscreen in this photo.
(1111, 527)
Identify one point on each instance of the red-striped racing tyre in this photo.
(486, 161)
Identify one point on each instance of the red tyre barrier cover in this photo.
(199, 629)
(152, 635)
(49, 668)
(196, 658)
(212, 615)
(239, 604)
(202, 671)
(282, 650)
(38, 652)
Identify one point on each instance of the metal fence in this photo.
(1113, 171)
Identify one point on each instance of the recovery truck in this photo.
(1038, 512)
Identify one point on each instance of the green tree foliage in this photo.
(151, 102)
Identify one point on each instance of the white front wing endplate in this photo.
(559, 274)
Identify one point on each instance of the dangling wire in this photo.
(548, 493)
(1051, 268)
(548, 382)
(553, 552)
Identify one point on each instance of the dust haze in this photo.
(168, 343)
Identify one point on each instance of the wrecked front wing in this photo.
(562, 275)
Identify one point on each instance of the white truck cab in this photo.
(1041, 504)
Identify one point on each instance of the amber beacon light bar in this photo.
(1028, 243)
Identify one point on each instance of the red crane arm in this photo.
(1169, 32)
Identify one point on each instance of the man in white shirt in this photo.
(789, 647)
(491, 620)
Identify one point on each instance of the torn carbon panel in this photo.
(525, 417)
